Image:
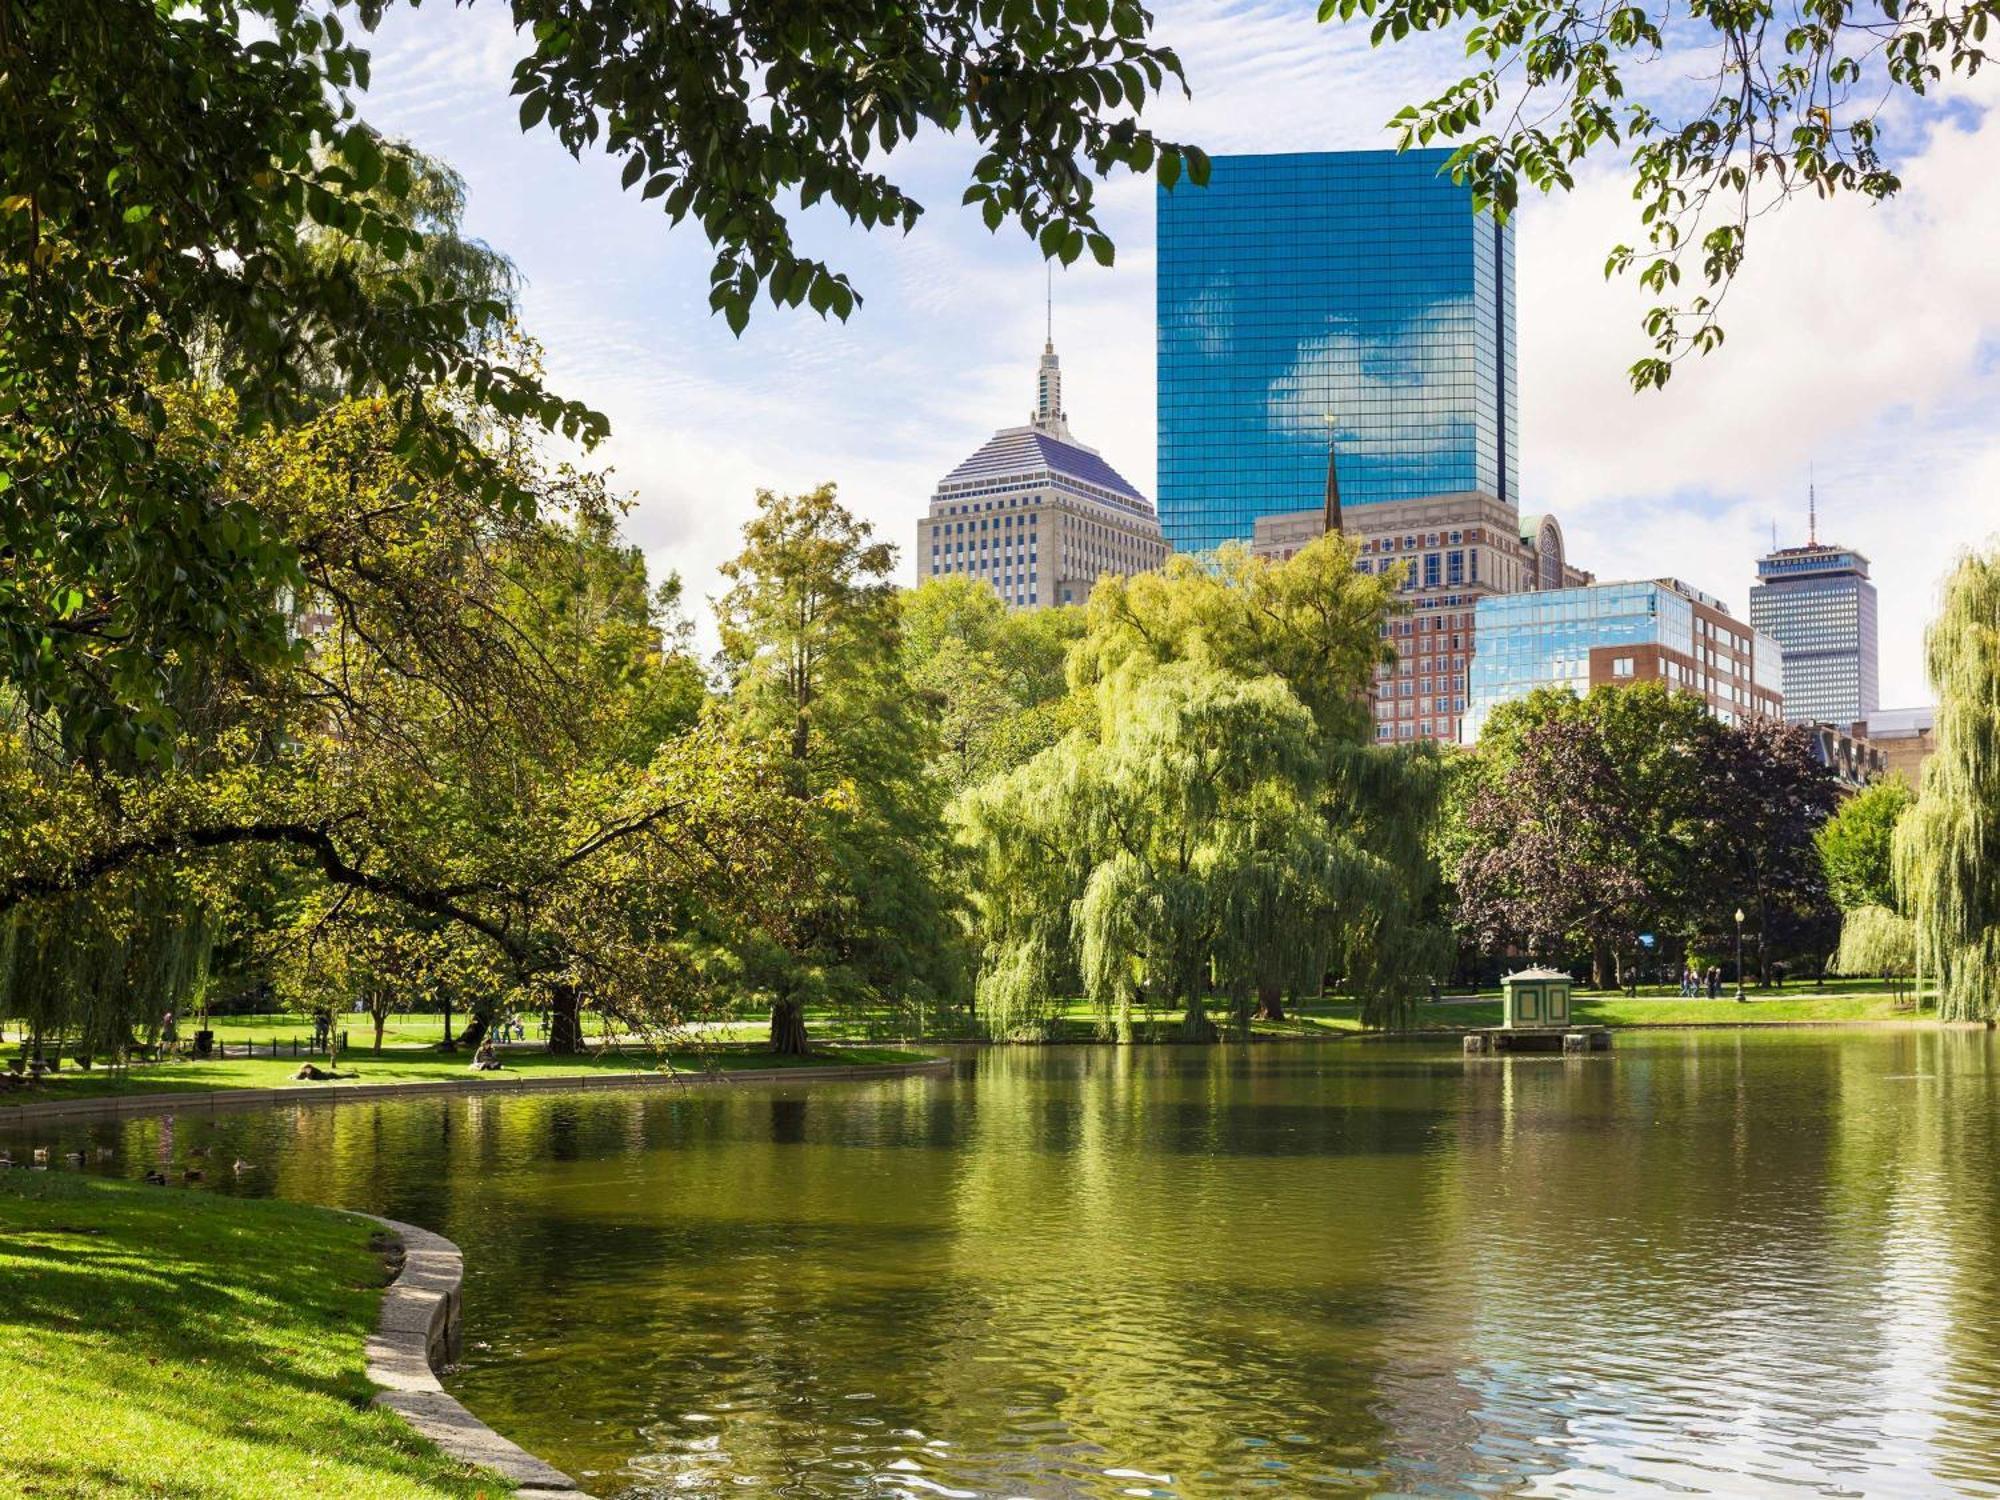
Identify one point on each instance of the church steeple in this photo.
(1332, 479)
(1049, 414)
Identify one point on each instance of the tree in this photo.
(991, 679)
(172, 175)
(1857, 845)
(1780, 107)
(1875, 940)
(1588, 823)
(811, 650)
(459, 744)
(1187, 833)
(1218, 819)
(1947, 872)
(1550, 863)
(1771, 797)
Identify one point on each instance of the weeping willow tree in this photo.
(1948, 844)
(1876, 940)
(97, 972)
(1222, 826)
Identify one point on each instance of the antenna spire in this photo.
(1812, 508)
(1049, 415)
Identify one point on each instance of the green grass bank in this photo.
(411, 1065)
(158, 1341)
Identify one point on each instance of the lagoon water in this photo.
(1708, 1262)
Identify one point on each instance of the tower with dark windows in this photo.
(1037, 514)
(1817, 602)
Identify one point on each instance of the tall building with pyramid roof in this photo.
(1037, 514)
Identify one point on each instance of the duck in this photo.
(156, 1178)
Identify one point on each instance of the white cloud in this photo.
(1861, 344)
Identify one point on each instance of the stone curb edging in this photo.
(215, 1100)
(1451, 1033)
(416, 1331)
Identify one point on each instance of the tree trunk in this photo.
(565, 1021)
(1195, 1025)
(1600, 965)
(788, 1029)
(447, 1043)
(1270, 1002)
(380, 1017)
(474, 1033)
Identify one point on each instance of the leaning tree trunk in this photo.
(1270, 1002)
(788, 1029)
(565, 1021)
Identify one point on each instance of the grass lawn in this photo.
(412, 1065)
(1799, 1003)
(157, 1341)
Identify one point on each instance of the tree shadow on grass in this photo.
(180, 1344)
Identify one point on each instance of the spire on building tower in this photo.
(1049, 415)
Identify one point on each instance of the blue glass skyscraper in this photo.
(1356, 288)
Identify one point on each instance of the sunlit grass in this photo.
(415, 1065)
(158, 1341)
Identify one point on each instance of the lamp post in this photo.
(1739, 955)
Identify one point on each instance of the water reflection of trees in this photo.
(1753, 1255)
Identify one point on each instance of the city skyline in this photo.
(1889, 391)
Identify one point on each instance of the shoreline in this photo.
(1446, 1033)
(416, 1331)
(219, 1100)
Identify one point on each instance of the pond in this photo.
(1708, 1261)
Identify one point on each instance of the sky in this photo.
(1863, 350)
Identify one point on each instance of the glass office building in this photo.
(1656, 630)
(1355, 290)
(1816, 602)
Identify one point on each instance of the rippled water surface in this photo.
(1708, 1263)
